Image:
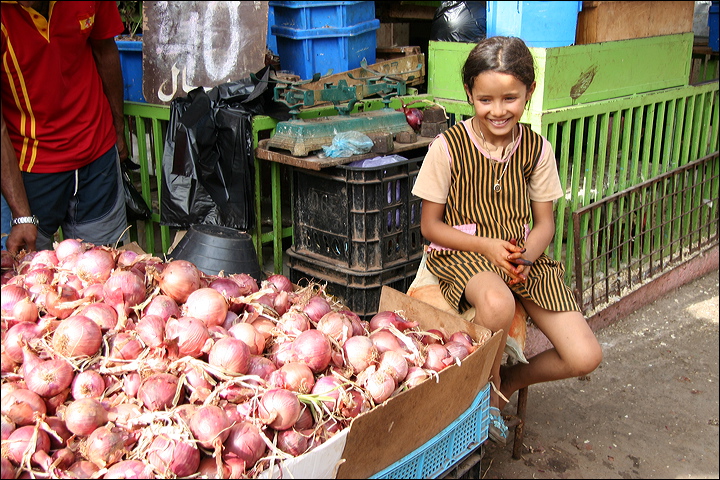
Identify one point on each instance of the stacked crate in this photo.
(356, 229)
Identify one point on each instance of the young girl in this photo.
(488, 185)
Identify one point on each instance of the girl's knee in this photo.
(495, 310)
(588, 361)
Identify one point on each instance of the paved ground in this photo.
(649, 411)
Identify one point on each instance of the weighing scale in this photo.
(302, 136)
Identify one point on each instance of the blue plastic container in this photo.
(305, 52)
(447, 448)
(271, 40)
(713, 35)
(539, 24)
(131, 65)
(304, 15)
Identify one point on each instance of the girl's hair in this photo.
(500, 54)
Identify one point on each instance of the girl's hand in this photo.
(508, 257)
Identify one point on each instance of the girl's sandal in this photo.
(497, 430)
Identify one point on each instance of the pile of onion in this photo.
(117, 360)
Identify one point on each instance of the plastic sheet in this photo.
(208, 162)
(459, 22)
(347, 144)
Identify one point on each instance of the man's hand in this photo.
(22, 237)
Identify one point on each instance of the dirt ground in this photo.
(649, 411)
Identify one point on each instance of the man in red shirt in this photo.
(62, 101)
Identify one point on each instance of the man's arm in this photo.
(107, 59)
(22, 236)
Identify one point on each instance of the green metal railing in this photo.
(633, 236)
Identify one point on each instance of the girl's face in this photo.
(499, 100)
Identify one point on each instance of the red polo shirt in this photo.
(52, 96)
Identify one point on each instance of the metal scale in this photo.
(302, 136)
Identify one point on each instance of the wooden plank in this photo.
(314, 162)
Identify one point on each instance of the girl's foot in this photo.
(497, 430)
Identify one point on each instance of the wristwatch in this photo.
(19, 220)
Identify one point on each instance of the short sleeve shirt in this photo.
(433, 180)
(53, 99)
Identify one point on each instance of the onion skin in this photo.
(157, 391)
(95, 265)
(331, 387)
(179, 279)
(82, 469)
(230, 354)
(176, 456)
(105, 446)
(313, 348)
(360, 352)
(129, 469)
(295, 376)
(21, 405)
(210, 426)
(279, 408)
(163, 306)
(190, 336)
(206, 304)
(151, 330)
(76, 336)
(83, 416)
(101, 313)
(244, 443)
(50, 377)
(20, 439)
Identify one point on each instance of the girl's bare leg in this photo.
(494, 309)
(575, 351)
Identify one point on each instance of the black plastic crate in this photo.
(359, 218)
(357, 290)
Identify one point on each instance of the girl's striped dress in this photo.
(473, 204)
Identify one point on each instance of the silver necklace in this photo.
(496, 186)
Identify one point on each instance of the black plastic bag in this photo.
(208, 162)
(459, 22)
(136, 208)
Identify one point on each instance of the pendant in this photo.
(496, 187)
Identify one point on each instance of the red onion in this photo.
(226, 286)
(58, 428)
(158, 391)
(209, 469)
(280, 282)
(7, 468)
(329, 386)
(437, 358)
(125, 346)
(11, 294)
(457, 350)
(210, 426)
(68, 247)
(21, 405)
(206, 304)
(360, 327)
(294, 442)
(95, 265)
(8, 426)
(295, 376)
(393, 362)
(386, 318)
(281, 353)
(94, 292)
(7, 364)
(129, 469)
(62, 458)
(40, 276)
(163, 306)
(415, 376)
(360, 352)
(244, 443)
(434, 335)
(101, 313)
(414, 116)
(293, 322)
(19, 441)
(127, 258)
(151, 330)
(352, 403)
(122, 413)
(189, 335)
(250, 336)
(84, 415)
(264, 325)
(247, 283)
(105, 446)
(61, 301)
(82, 469)
(21, 333)
(316, 307)
(46, 258)
(230, 354)
(30, 361)
(279, 408)
(77, 336)
(131, 384)
(336, 325)
(50, 377)
(306, 419)
(464, 338)
(313, 348)
(57, 401)
(379, 384)
(124, 290)
(179, 279)
(173, 456)
(260, 366)
(385, 340)
(88, 384)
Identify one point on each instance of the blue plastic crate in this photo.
(304, 15)
(540, 24)
(317, 50)
(131, 58)
(448, 447)
(714, 36)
